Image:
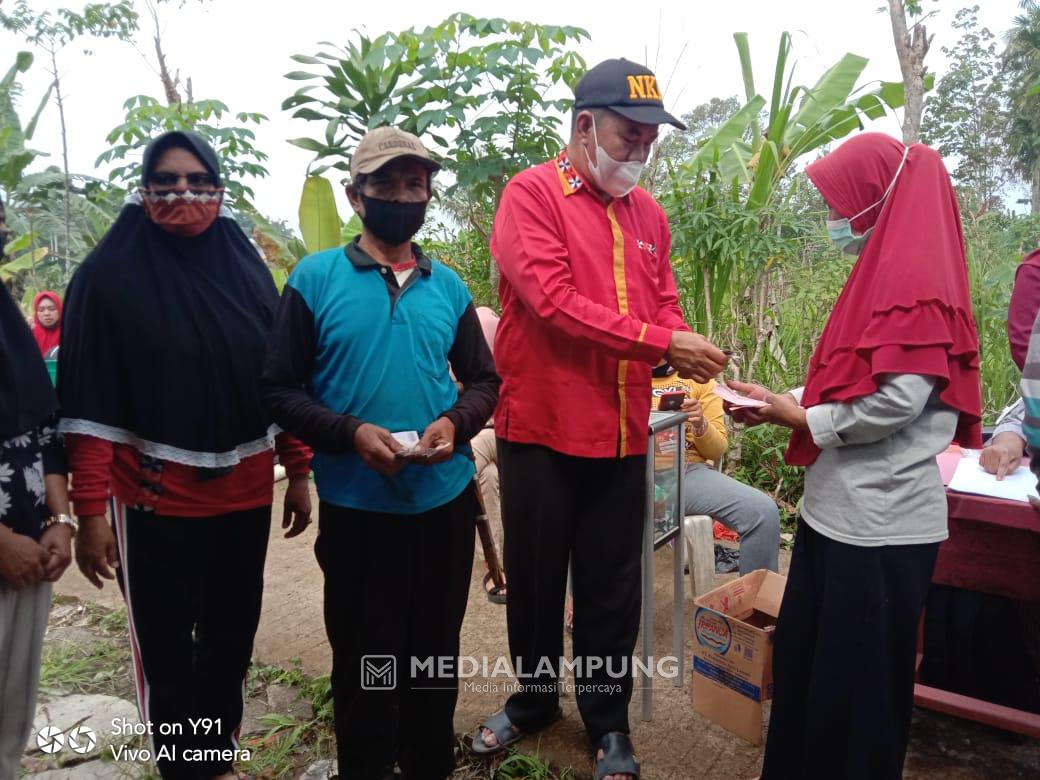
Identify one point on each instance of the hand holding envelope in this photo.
(752, 404)
(413, 449)
(733, 398)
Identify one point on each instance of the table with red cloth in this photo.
(993, 547)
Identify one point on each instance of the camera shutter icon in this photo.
(82, 739)
(50, 739)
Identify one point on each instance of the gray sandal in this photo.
(618, 756)
(505, 732)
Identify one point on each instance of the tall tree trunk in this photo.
(32, 249)
(65, 163)
(494, 274)
(169, 83)
(1034, 205)
(911, 47)
(173, 95)
(709, 321)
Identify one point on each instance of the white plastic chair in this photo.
(699, 549)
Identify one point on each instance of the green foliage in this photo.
(678, 147)
(800, 120)
(467, 252)
(319, 220)
(55, 30)
(1021, 73)
(479, 89)
(36, 214)
(147, 118)
(66, 668)
(762, 465)
(52, 32)
(14, 156)
(519, 766)
(966, 118)
(291, 743)
(995, 244)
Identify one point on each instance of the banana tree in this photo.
(320, 224)
(38, 218)
(14, 156)
(801, 119)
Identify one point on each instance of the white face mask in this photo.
(614, 177)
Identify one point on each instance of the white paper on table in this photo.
(735, 399)
(970, 477)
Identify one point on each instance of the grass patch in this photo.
(513, 766)
(291, 744)
(101, 667)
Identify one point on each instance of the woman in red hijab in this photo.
(894, 379)
(47, 321)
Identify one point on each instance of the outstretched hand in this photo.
(780, 409)
(695, 357)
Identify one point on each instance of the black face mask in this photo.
(393, 222)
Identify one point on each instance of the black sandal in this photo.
(505, 732)
(497, 594)
(617, 758)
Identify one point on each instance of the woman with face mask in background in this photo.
(894, 378)
(47, 321)
(159, 382)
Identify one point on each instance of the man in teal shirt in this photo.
(359, 367)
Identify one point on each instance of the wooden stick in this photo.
(487, 541)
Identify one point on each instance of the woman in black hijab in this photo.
(163, 343)
(35, 528)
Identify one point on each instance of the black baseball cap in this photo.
(626, 88)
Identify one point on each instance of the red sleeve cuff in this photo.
(90, 461)
(654, 343)
(90, 507)
(298, 470)
(294, 455)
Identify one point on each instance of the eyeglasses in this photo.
(167, 179)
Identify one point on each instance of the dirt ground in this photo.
(676, 745)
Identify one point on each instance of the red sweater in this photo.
(101, 469)
(1025, 299)
(588, 305)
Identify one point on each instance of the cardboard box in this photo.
(733, 651)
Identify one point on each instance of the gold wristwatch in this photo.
(71, 522)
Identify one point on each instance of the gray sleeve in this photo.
(1012, 422)
(899, 400)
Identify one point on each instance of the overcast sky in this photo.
(238, 51)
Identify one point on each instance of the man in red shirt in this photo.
(589, 304)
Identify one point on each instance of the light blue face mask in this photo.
(840, 230)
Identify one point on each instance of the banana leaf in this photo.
(319, 220)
